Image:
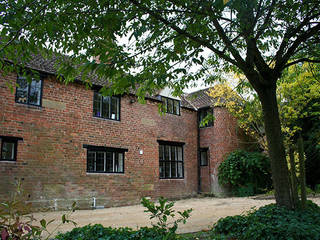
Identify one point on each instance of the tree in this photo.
(255, 37)
(298, 95)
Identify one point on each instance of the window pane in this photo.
(120, 162)
(179, 153)
(91, 161)
(100, 161)
(173, 169)
(164, 104)
(161, 152)
(22, 90)
(161, 169)
(170, 106)
(167, 170)
(166, 153)
(35, 92)
(109, 162)
(176, 107)
(97, 105)
(203, 158)
(105, 107)
(173, 153)
(8, 150)
(180, 170)
(115, 108)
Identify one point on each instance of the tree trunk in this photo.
(279, 167)
(302, 173)
(294, 184)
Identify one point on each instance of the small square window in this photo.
(206, 117)
(9, 148)
(171, 105)
(29, 93)
(106, 107)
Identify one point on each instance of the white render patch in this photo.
(167, 92)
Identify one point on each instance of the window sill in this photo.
(104, 174)
(206, 127)
(29, 106)
(171, 179)
(106, 119)
(8, 161)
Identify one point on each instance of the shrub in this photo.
(247, 173)
(271, 222)
(163, 229)
(98, 232)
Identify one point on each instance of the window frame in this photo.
(165, 102)
(206, 150)
(41, 80)
(105, 150)
(205, 109)
(177, 162)
(96, 92)
(9, 139)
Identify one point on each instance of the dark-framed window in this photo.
(203, 113)
(29, 93)
(105, 159)
(171, 105)
(106, 107)
(9, 147)
(203, 156)
(171, 160)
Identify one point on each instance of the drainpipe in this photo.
(198, 154)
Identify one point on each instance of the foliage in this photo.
(298, 95)
(98, 232)
(162, 230)
(163, 212)
(271, 222)
(17, 222)
(244, 105)
(247, 173)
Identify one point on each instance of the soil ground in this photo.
(206, 211)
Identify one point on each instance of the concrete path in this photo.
(206, 211)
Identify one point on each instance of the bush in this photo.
(163, 229)
(247, 173)
(98, 232)
(271, 222)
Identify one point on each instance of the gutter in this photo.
(198, 155)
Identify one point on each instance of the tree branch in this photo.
(180, 31)
(302, 60)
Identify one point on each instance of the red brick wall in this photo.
(52, 161)
(222, 138)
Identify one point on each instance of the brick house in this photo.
(68, 143)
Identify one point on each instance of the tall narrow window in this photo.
(106, 107)
(105, 159)
(203, 156)
(171, 105)
(170, 160)
(29, 92)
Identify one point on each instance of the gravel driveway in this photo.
(206, 211)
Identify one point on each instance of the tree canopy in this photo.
(153, 43)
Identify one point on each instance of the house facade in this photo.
(68, 143)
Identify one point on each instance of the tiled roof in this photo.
(199, 99)
(195, 100)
